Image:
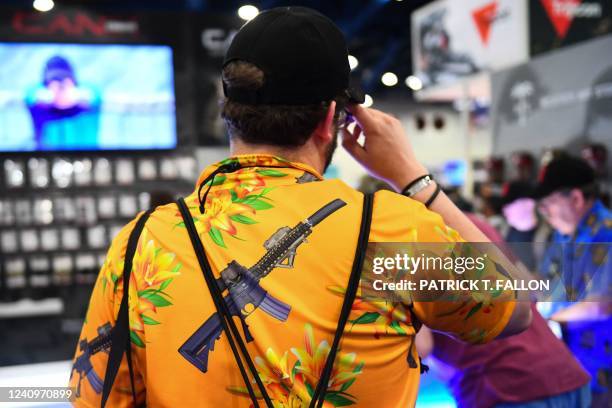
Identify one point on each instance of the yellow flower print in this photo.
(295, 387)
(387, 317)
(219, 211)
(152, 272)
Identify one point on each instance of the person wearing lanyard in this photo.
(280, 242)
(579, 257)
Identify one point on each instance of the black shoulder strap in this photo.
(120, 336)
(229, 326)
(349, 297)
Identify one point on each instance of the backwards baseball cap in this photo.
(564, 173)
(302, 53)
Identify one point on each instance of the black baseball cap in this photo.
(302, 53)
(564, 173)
(57, 68)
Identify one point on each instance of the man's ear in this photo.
(325, 130)
(577, 198)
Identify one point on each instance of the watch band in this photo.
(418, 185)
(433, 196)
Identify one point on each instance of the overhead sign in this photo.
(456, 39)
(558, 23)
(556, 100)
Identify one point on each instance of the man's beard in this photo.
(329, 154)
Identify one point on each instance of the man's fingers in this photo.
(356, 132)
(360, 113)
(349, 142)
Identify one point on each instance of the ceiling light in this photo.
(353, 62)
(248, 12)
(43, 5)
(389, 79)
(414, 83)
(368, 101)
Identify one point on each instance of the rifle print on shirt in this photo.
(246, 294)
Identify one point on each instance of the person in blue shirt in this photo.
(580, 258)
(65, 114)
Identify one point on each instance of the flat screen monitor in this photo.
(86, 97)
(454, 173)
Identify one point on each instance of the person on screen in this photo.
(65, 114)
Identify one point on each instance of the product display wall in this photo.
(147, 87)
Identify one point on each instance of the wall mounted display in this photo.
(60, 96)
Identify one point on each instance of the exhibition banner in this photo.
(456, 39)
(555, 24)
(556, 100)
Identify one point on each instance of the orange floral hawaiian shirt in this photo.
(181, 358)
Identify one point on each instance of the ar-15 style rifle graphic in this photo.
(82, 364)
(246, 294)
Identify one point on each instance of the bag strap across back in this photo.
(120, 335)
(227, 322)
(349, 297)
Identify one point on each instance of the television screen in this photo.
(59, 97)
(454, 173)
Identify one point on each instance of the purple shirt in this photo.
(531, 365)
